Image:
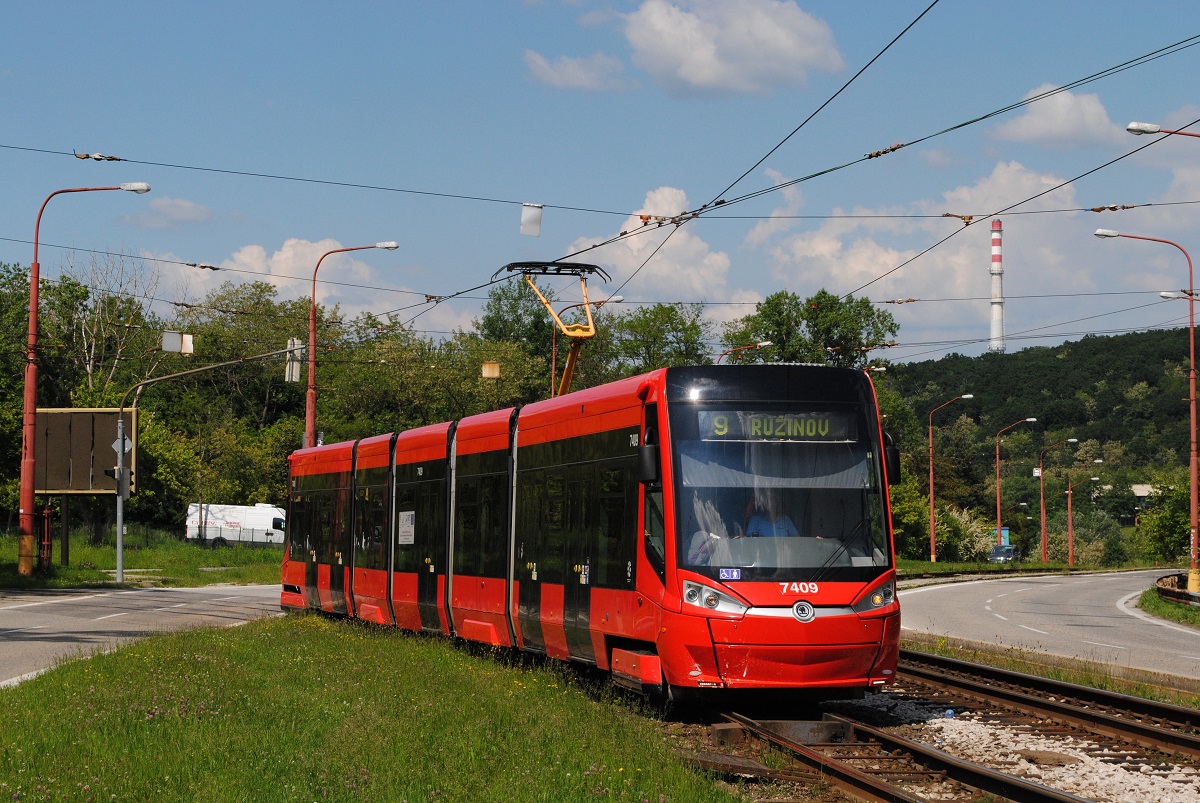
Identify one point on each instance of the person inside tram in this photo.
(769, 520)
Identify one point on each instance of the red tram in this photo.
(714, 527)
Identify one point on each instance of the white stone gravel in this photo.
(998, 745)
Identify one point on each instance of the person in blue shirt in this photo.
(769, 520)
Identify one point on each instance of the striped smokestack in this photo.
(997, 271)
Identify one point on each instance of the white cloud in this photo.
(1064, 120)
(595, 73)
(168, 213)
(1043, 255)
(778, 221)
(729, 45)
(684, 268)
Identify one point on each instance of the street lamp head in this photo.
(1107, 233)
(388, 246)
(1171, 294)
(967, 396)
(1031, 420)
(1072, 440)
(1143, 128)
(764, 344)
(140, 187)
(611, 300)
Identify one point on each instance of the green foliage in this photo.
(514, 314)
(1164, 531)
(823, 328)
(910, 519)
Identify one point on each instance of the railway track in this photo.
(1160, 727)
(1122, 748)
(867, 763)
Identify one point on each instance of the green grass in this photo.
(302, 708)
(149, 557)
(1153, 604)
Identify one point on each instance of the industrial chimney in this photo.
(997, 271)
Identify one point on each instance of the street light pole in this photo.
(932, 514)
(757, 346)
(1071, 516)
(310, 395)
(1042, 490)
(25, 543)
(1194, 562)
(999, 531)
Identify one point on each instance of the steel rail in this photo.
(964, 772)
(863, 785)
(1037, 700)
(842, 776)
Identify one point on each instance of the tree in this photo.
(1164, 531)
(514, 314)
(823, 328)
(661, 335)
(778, 319)
(847, 329)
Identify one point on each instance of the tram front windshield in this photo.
(766, 495)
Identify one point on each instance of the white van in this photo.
(222, 525)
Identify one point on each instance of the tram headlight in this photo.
(880, 597)
(704, 597)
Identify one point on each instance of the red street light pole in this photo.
(310, 396)
(1194, 564)
(25, 543)
(761, 345)
(999, 531)
(932, 515)
(1042, 487)
(1071, 516)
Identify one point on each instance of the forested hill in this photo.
(1130, 389)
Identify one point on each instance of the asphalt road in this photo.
(1086, 617)
(39, 629)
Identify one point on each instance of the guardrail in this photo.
(1174, 587)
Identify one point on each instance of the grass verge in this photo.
(156, 558)
(1153, 604)
(302, 708)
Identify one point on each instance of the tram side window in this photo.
(616, 528)
(480, 526)
(321, 534)
(299, 527)
(370, 519)
(406, 558)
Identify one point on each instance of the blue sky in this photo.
(273, 132)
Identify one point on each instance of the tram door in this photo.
(584, 518)
(542, 521)
(431, 504)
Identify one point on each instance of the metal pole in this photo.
(25, 541)
(1194, 490)
(932, 513)
(120, 496)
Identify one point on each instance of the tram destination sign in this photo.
(747, 425)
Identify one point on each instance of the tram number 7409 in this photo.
(798, 588)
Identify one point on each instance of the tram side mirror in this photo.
(648, 463)
(891, 459)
